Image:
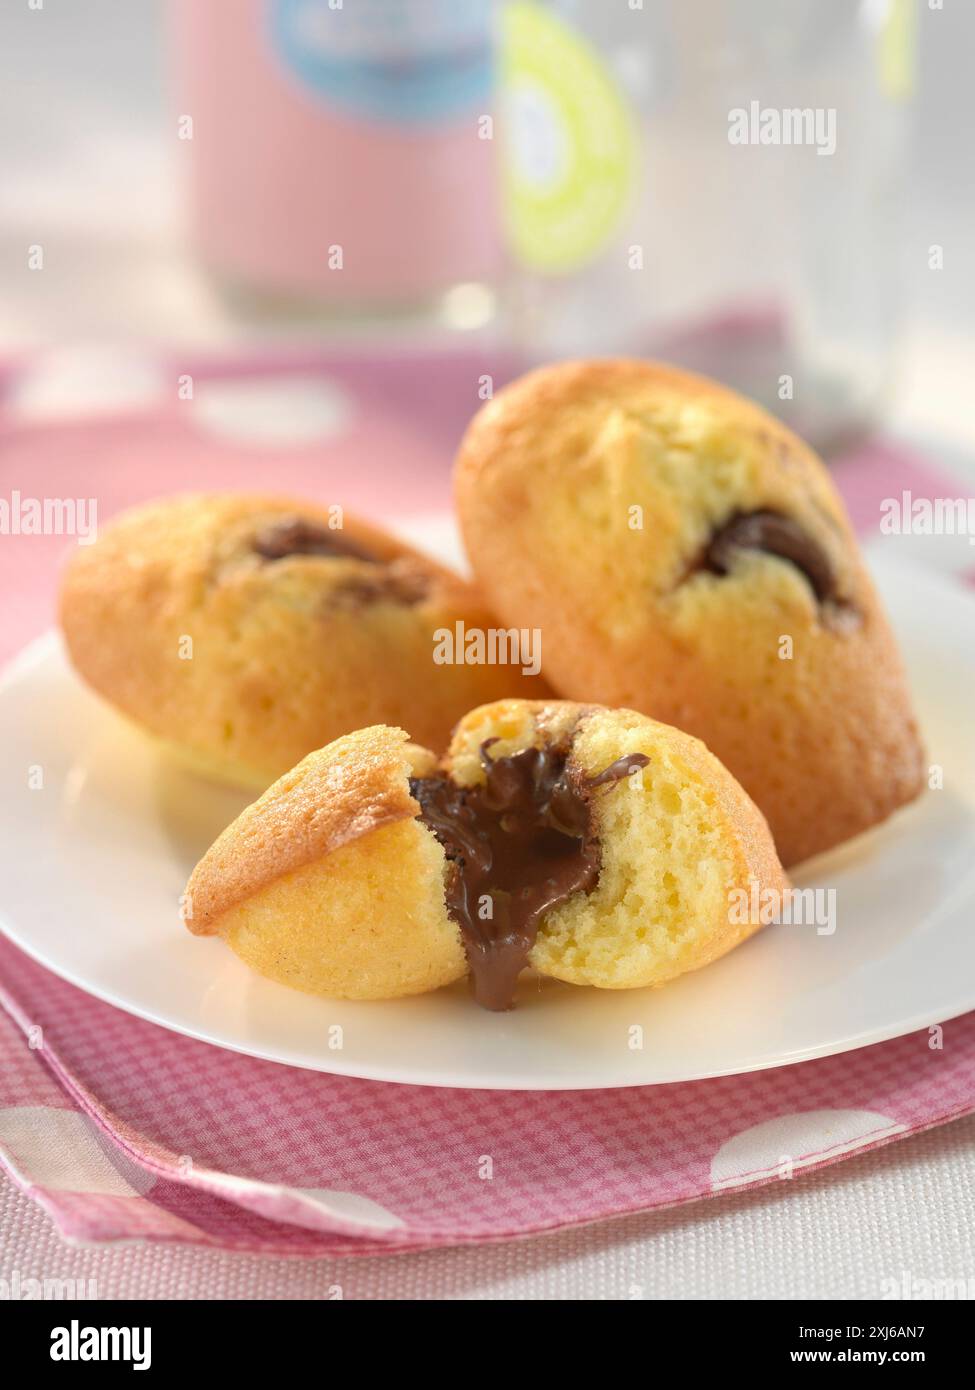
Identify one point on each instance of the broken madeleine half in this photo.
(596, 845)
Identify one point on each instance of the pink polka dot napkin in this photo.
(121, 1129)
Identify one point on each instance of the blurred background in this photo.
(238, 181)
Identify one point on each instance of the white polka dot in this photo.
(351, 1207)
(275, 411)
(789, 1142)
(65, 1151)
(348, 1206)
(70, 382)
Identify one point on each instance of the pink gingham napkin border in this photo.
(123, 1130)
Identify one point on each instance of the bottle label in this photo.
(412, 62)
(569, 142)
(897, 50)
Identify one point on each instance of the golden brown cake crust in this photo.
(334, 796)
(551, 476)
(248, 663)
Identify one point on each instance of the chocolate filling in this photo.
(779, 535)
(776, 535)
(519, 844)
(396, 581)
(294, 536)
(401, 581)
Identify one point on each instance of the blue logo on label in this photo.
(408, 61)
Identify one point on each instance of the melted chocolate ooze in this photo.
(522, 843)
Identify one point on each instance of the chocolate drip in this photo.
(292, 535)
(775, 534)
(519, 844)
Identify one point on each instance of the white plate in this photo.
(92, 866)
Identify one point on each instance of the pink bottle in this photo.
(338, 150)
